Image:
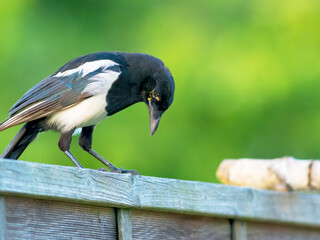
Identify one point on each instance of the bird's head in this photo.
(143, 78)
(158, 95)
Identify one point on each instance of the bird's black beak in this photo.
(154, 117)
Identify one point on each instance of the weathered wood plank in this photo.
(43, 181)
(18, 178)
(239, 230)
(161, 225)
(124, 224)
(42, 219)
(3, 221)
(261, 231)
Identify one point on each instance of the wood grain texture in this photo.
(3, 223)
(124, 224)
(160, 225)
(18, 178)
(239, 230)
(260, 231)
(42, 219)
(53, 182)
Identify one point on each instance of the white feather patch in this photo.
(86, 113)
(87, 68)
(99, 83)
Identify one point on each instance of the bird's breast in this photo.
(86, 113)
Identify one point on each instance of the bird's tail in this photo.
(19, 143)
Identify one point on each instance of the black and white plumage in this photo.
(85, 91)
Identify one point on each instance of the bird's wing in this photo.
(63, 90)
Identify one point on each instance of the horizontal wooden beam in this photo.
(34, 180)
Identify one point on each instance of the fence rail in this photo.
(38, 200)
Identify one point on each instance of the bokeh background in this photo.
(247, 78)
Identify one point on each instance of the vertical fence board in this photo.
(124, 224)
(239, 230)
(3, 222)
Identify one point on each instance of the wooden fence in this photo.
(39, 201)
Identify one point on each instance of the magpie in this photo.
(85, 91)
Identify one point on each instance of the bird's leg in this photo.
(64, 145)
(112, 167)
(85, 141)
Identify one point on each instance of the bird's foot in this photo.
(120, 170)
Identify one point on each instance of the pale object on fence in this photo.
(280, 174)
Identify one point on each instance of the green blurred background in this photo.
(246, 72)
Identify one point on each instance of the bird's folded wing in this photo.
(49, 96)
(63, 90)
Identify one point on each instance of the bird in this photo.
(85, 91)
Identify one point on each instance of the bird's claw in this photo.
(103, 170)
(120, 170)
(132, 172)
